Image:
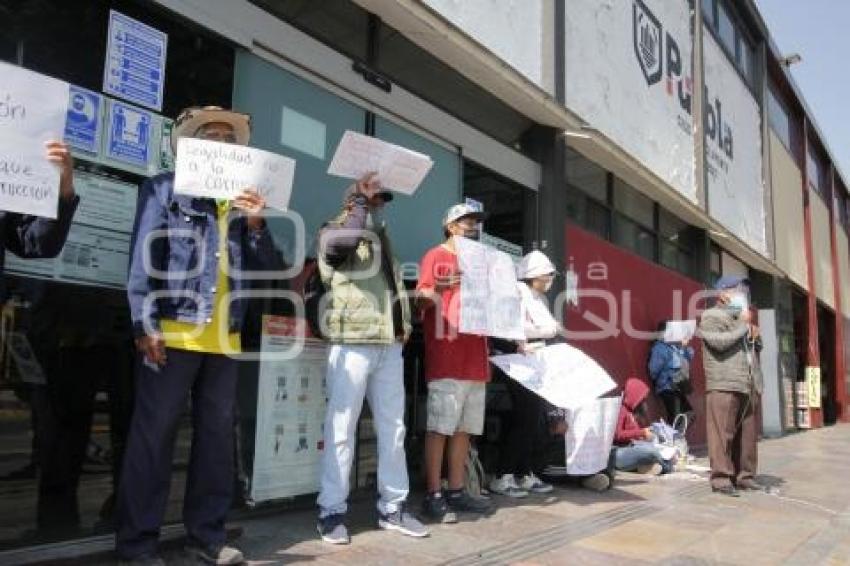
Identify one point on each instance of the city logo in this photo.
(647, 35)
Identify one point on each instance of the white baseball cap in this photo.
(459, 211)
(534, 264)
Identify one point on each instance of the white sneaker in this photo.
(651, 469)
(506, 485)
(596, 482)
(534, 484)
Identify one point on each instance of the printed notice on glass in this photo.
(590, 434)
(563, 375)
(490, 303)
(33, 109)
(219, 170)
(291, 401)
(398, 168)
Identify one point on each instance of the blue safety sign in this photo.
(129, 134)
(82, 125)
(135, 61)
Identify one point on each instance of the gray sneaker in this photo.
(403, 522)
(332, 529)
(462, 502)
(223, 555)
(596, 482)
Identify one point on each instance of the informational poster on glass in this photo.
(135, 61)
(489, 298)
(291, 404)
(733, 157)
(98, 245)
(83, 124)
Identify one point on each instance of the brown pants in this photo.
(732, 436)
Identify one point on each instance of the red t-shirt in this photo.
(451, 354)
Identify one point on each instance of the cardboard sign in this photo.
(222, 171)
(33, 109)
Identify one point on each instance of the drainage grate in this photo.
(559, 536)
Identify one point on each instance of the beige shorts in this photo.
(456, 405)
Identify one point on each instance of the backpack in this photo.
(476, 479)
(314, 292)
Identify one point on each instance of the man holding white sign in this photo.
(187, 255)
(37, 200)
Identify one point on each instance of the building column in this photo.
(813, 349)
(840, 385)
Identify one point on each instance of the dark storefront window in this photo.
(634, 221)
(65, 415)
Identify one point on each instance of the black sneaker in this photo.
(403, 522)
(221, 555)
(332, 529)
(727, 490)
(435, 509)
(462, 502)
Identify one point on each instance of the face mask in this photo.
(474, 234)
(375, 219)
(738, 302)
(548, 285)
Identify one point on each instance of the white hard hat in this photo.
(534, 264)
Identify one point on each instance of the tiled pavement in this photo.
(673, 520)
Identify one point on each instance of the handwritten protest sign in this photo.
(679, 330)
(563, 375)
(398, 168)
(490, 303)
(590, 434)
(222, 171)
(33, 108)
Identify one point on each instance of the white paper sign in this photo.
(563, 375)
(490, 303)
(679, 330)
(590, 434)
(218, 170)
(629, 75)
(33, 109)
(398, 168)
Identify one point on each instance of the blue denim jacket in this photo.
(183, 261)
(664, 361)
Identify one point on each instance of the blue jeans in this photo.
(639, 453)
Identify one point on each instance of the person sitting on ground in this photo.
(635, 447)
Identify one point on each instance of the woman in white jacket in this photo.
(534, 420)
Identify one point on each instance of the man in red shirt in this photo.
(456, 367)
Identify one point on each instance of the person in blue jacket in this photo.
(187, 255)
(670, 369)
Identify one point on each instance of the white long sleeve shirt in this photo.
(537, 319)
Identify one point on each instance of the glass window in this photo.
(597, 219)
(586, 176)
(746, 58)
(634, 237)
(505, 202)
(725, 28)
(633, 204)
(779, 119)
(814, 171)
(708, 13)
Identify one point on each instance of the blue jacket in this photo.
(34, 236)
(184, 260)
(664, 361)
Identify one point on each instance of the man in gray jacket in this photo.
(733, 387)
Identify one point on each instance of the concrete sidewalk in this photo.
(804, 519)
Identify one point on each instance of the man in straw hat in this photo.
(188, 254)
